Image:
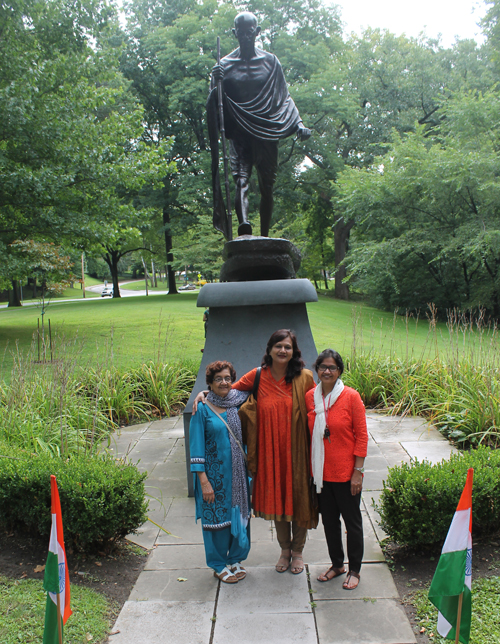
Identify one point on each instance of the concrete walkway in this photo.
(176, 599)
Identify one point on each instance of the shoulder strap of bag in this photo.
(229, 429)
(256, 383)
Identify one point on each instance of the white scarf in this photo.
(318, 445)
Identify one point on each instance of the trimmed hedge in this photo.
(102, 500)
(419, 499)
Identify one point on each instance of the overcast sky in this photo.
(450, 18)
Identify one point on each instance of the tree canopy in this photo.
(104, 147)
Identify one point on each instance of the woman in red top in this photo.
(337, 422)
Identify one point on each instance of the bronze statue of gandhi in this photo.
(258, 112)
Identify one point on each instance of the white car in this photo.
(107, 291)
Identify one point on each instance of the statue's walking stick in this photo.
(224, 154)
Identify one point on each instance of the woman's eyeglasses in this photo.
(219, 379)
(324, 367)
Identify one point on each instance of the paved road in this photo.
(98, 288)
(266, 606)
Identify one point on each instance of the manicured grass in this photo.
(485, 624)
(22, 613)
(140, 285)
(126, 331)
(130, 331)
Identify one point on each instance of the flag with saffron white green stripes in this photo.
(56, 578)
(450, 589)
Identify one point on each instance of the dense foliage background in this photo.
(103, 148)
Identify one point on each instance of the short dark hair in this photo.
(216, 367)
(330, 353)
(296, 363)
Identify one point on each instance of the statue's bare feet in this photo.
(244, 229)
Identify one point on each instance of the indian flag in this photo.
(450, 589)
(56, 579)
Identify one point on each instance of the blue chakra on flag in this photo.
(468, 563)
(62, 577)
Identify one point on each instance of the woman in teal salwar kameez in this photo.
(220, 475)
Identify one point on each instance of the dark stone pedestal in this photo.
(251, 258)
(243, 316)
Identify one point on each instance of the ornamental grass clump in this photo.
(62, 408)
(419, 499)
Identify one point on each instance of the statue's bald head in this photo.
(246, 29)
(245, 18)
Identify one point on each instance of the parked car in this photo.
(107, 291)
(187, 287)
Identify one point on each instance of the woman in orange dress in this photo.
(281, 476)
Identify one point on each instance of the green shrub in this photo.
(419, 499)
(101, 500)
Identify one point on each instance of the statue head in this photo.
(246, 28)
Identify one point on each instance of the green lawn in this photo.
(132, 330)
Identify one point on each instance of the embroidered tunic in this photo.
(211, 453)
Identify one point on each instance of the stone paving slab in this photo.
(394, 454)
(168, 487)
(160, 622)
(382, 621)
(368, 499)
(173, 557)
(146, 536)
(265, 628)
(262, 530)
(183, 527)
(182, 507)
(373, 480)
(390, 433)
(155, 585)
(147, 451)
(284, 593)
(375, 463)
(433, 452)
(376, 583)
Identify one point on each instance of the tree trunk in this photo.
(112, 257)
(172, 288)
(15, 294)
(341, 230)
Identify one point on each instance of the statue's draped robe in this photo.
(270, 116)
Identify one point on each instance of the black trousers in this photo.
(336, 500)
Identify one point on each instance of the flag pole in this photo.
(459, 617)
(224, 154)
(59, 627)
